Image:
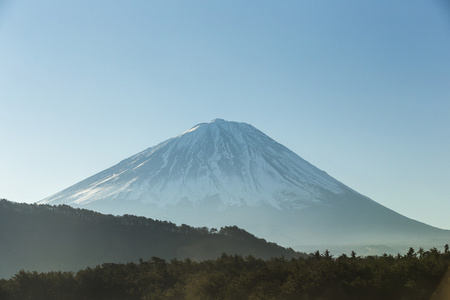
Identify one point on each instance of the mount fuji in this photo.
(228, 173)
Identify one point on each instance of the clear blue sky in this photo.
(361, 89)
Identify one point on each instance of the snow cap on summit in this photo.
(232, 161)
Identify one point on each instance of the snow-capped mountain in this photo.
(229, 173)
(235, 161)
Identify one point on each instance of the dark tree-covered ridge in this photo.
(414, 276)
(50, 238)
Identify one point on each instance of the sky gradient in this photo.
(360, 90)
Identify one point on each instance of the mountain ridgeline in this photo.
(50, 238)
(228, 173)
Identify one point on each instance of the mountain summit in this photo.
(232, 161)
(229, 173)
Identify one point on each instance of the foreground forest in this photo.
(415, 275)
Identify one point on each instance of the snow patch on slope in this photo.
(234, 161)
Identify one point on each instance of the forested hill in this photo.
(52, 238)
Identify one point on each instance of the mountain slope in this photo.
(233, 160)
(45, 238)
(228, 173)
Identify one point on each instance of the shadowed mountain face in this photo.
(227, 173)
(50, 238)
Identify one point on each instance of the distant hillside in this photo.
(44, 238)
(223, 173)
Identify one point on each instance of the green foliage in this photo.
(319, 276)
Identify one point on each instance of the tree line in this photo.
(46, 238)
(415, 275)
